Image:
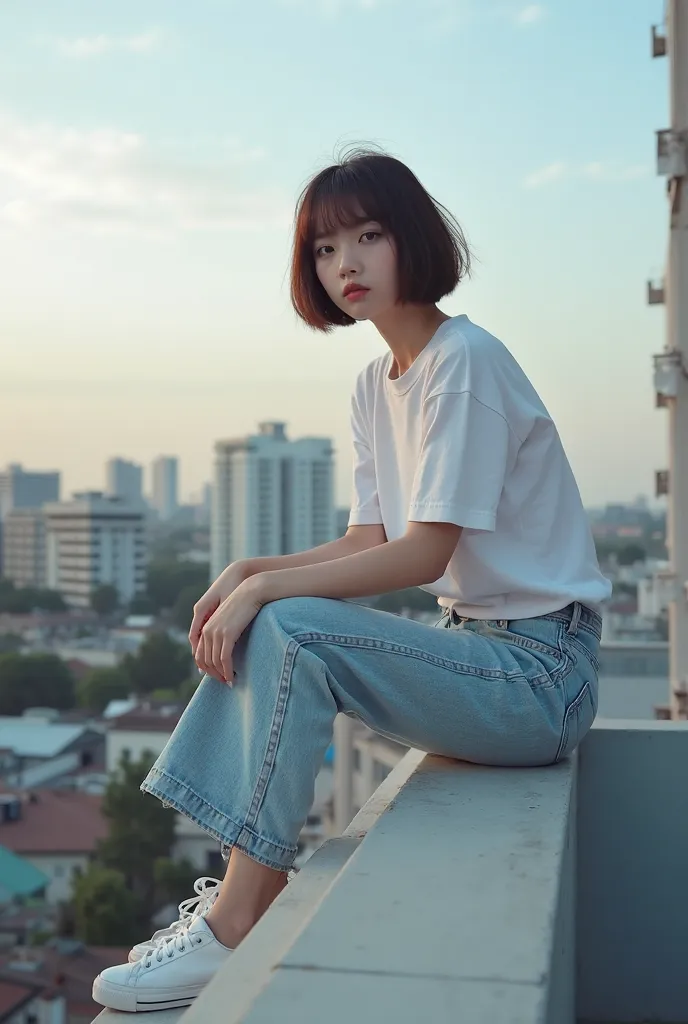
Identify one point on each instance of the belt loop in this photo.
(575, 618)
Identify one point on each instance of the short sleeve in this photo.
(462, 463)
(365, 505)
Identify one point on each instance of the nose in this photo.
(349, 261)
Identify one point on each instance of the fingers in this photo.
(202, 612)
(214, 656)
(200, 655)
(226, 662)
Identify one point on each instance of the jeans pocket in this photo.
(577, 721)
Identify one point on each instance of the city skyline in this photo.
(146, 226)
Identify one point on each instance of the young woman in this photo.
(462, 487)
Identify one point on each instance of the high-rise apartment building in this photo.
(271, 496)
(124, 479)
(20, 488)
(92, 540)
(165, 486)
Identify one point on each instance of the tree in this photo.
(167, 578)
(106, 910)
(174, 880)
(23, 600)
(629, 554)
(161, 662)
(101, 685)
(182, 613)
(34, 680)
(141, 604)
(141, 830)
(105, 599)
(10, 643)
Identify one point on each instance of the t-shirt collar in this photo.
(400, 385)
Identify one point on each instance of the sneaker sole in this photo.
(117, 997)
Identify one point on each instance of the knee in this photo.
(294, 615)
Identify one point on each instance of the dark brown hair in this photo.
(432, 252)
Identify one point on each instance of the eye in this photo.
(370, 236)
(320, 251)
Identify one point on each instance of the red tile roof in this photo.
(13, 996)
(55, 821)
(69, 974)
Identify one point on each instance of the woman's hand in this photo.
(224, 627)
(225, 584)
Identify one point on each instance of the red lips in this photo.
(353, 286)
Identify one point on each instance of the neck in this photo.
(407, 330)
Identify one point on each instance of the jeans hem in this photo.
(220, 826)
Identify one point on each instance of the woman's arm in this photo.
(356, 538)
(420, 556)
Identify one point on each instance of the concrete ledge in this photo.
(262, 951)
(449, 897)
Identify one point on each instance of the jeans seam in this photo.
(274, 737)
(371, 643)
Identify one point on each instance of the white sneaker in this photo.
(168, 975)
(198, 906)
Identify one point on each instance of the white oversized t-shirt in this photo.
(462, 437)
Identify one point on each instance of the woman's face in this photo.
(357, 268)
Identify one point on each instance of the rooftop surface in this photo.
(18, 877)
(55, 821)
(27, 737)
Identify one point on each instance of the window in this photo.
(357, 759)
(380, 772)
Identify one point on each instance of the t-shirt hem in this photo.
(363, 517)
(439, 512)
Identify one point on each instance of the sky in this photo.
(150, 156)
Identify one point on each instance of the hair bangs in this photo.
(342, 201)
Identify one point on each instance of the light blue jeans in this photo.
(242, 762)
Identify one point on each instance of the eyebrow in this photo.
(358, 223)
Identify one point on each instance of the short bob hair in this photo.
(432, 252)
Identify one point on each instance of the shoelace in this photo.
(170, 946)
(203, 901)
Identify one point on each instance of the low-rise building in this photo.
(37, 751)
(56, 831)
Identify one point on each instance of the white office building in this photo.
(124, 479)
(165, 486)
(271, 496)
(92, 540)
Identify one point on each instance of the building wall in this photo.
(165, 490)
(20, 488)
(24, 548)
(272, 496)
(124, 479)
(94, 540)
(60, 868)
(136, 742)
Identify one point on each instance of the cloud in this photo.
(545, 175)
(530, 14)
(106, 179)
(599, 170)
(95, 46)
